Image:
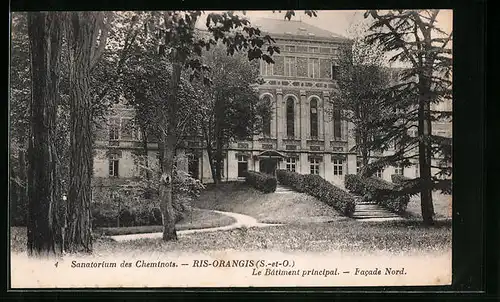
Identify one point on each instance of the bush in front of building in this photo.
(333, 196)
(262, 182)
(137, 203)
(320, 188)
(398, 179)
(354, 184)
(389, 195)
(292, 179)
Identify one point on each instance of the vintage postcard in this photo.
(230, 148)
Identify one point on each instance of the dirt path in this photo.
(242, 221)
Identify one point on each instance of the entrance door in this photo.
(268, 166)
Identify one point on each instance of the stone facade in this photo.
(304, 135)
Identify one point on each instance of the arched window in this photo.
(290, 117)
(313, 118)
(266, 119)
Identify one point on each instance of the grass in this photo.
(287, 208)
(441, 202)
(197, 219)
(339, 236)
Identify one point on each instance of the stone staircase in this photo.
(280, 189)
(371, 211)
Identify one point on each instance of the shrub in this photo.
(262, 182)
(333, 196)
(354, 184)
(320, 188)
(398, 179)
(292, 179)
(388, 195)
(132, 208)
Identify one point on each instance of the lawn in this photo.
(287, 208)
(196, 219)
(441, 202)
(349, 236)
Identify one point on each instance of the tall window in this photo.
(335, 72)
(290, 64)
(398, 170)
(290, 117)
(265, 68)
(338, 167)
(113, 165)
(266, 122)
(378, 173)
(114, 129)
(291, 164)
(337, 124)
(358, 166)
(141, 166)
(242, 165)
(314, 166)
(313, 68)
(314, 118)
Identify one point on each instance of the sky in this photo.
(340, 21)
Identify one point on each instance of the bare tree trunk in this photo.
(44, 233)
(169, 143)
(78, 233)
(425, 155)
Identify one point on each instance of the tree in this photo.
(361, 78)
(229, 106)
(20, 93)
(415, 39)
(44, 232)
(85, 31)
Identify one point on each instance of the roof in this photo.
(294, 27)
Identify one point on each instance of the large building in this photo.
(305, 134)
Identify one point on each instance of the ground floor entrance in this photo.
(268, 165)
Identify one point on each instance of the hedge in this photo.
(262, 182)
(398, 179)
(292, 179)
(386, 194)
(320, 188)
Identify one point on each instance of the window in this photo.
(314, 49)
(291, 164)
(290, 48)
(141, 166)
(242, 165)
(193, 163)
(290, 64)
(114, 129)
(136, 133)
(313, 68)
(113, 166)
(398, 170)
(337, 124)
(290, 117)
(334, 72)
(378, 173)
(266, 122)
(314, 164)
(358, 166)
(265, 68)
(314, 118)
(222, 168)
(338, 165)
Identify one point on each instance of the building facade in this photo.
(305, 133)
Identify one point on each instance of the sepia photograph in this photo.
(188, 149)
